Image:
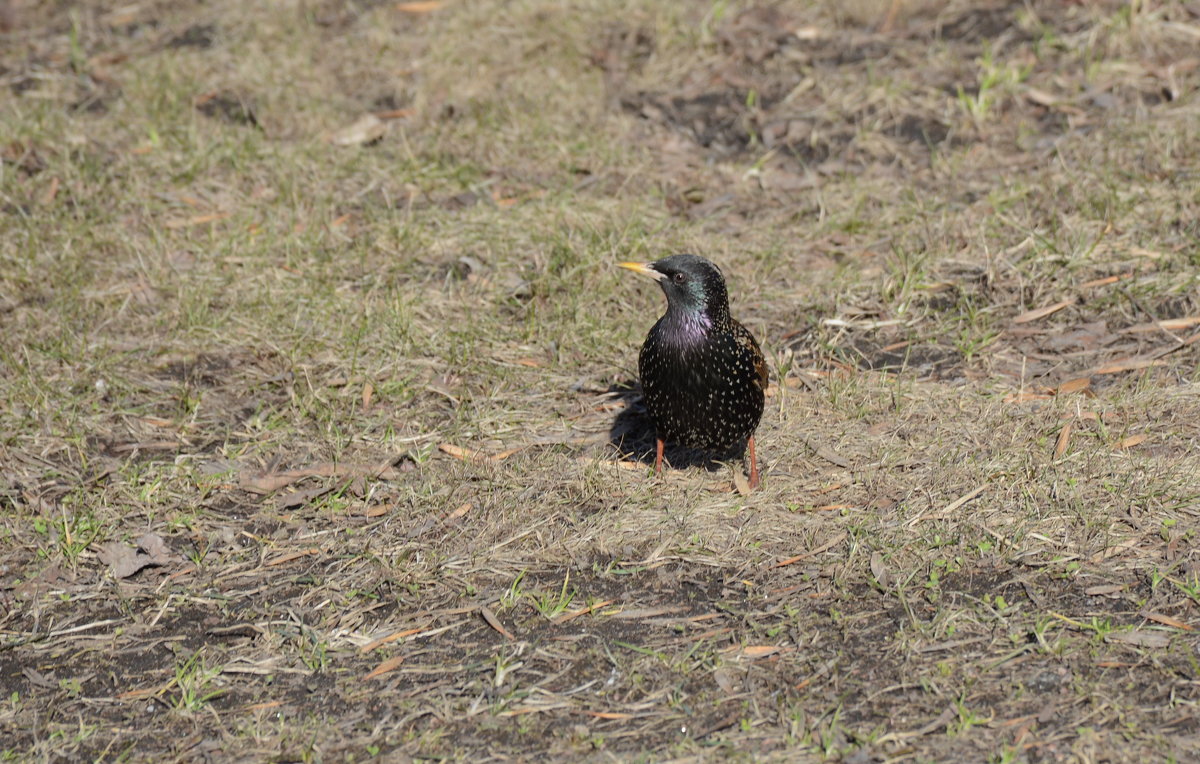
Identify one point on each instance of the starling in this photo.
(703, 374)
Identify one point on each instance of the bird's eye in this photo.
(680, 277)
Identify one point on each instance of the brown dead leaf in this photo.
(1129, 364)
(391, 664)
(1166, 620)
(459, 512)
(1106, 280)
(51, 191)
(581, 611)
(270, 482)
(1074, 386)
(1064, 439)
(1034, 315)
(368, 391)
(753, 652)
(880, 571)
(125, 560)
(211, 217)
(419, 6)
(390, 638)
(366, 129)
(494, 622)
(394, 113)
(379, 510)
(740, 483)
(1129, 442)
(289, 556)
(1140, 638)
(1170, 324)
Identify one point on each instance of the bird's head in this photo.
(693, 285)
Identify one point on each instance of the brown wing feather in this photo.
(746, 340)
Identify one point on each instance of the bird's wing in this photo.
(747, 341)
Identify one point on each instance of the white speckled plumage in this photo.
(703, 375)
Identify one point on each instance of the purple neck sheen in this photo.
(686, 327)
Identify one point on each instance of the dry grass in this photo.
(367, 412)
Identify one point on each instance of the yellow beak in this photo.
(644, 269)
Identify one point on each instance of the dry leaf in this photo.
(389, 638)
(366, 129)
(275, 481)
(1074, 386)
(1103, 590)
(1170, 324)
(494, 622)
(212, 217)
(126, 560)
(1064, 438)
(1129, 442)
(394, 113)
(879, 570)
(1129, 364)
(753, 651)
(1105, 281)
(740, 483)
(288, 557)
(1166, 620)
(419, 6)
(1140, 638)
(51, 191)
(391, 664)
(725, 680)
(1034, 315)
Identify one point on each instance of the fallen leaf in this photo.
(581, 611)
(276, 480)
(1103, 590)
(1166, 620)
(394, 113)
(390, 638)
(1105, 281)
(1034, 315)
(51, 191)
(1064, 438)
(740, 483)
(1170, 324)
(419, 6)
(1074, 386)
(289, 556)
(1129, 364)
(153, 545)
(391, 664)
(753, 651)
(1129, 442)
(879, 570)
(368, 391)
(211, 217)
(1140, 638)
(494, 622)
(366, 129)
(126, 560)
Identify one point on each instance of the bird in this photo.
(704, 378)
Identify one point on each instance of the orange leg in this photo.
(753, 464)
(658, 453)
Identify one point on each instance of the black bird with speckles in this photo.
(703, 375)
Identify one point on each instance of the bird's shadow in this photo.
(632, 435)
